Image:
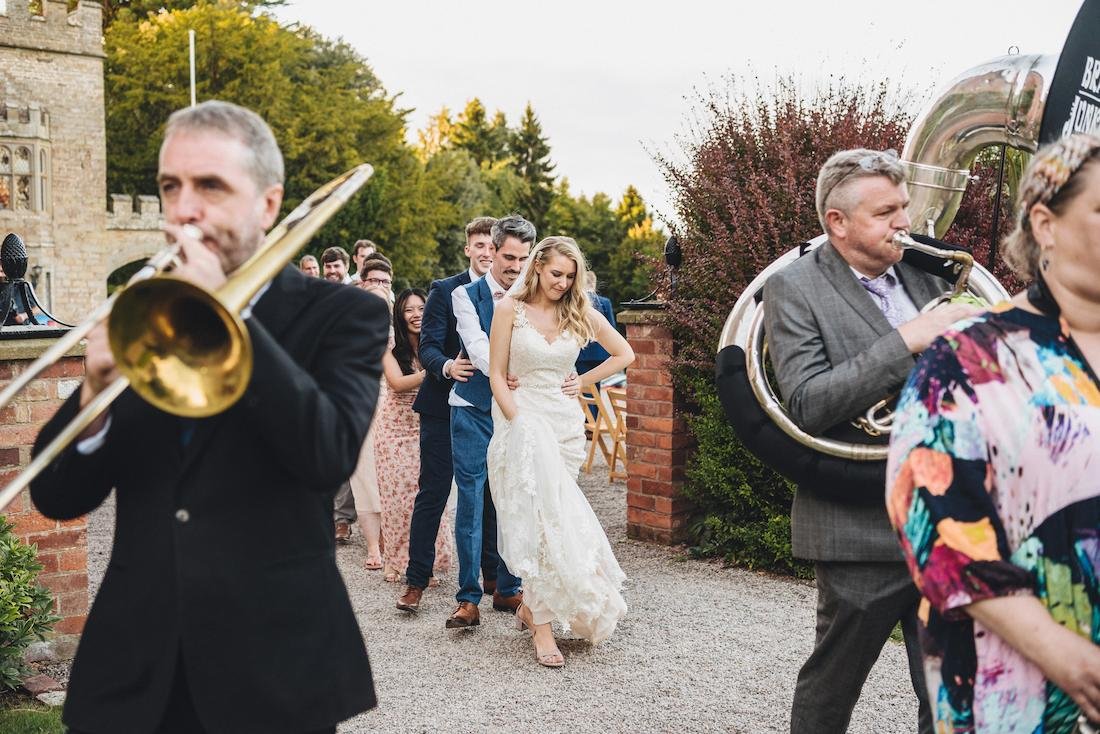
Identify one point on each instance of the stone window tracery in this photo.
(24, 171)
(5, 177)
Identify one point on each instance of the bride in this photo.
(549, 535)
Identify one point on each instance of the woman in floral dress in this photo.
(397, 440)
(994, 476)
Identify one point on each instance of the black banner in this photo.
(1073, 105)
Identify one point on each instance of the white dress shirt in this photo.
(475, 342)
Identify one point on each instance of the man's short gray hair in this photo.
(265, 160)
(838, 173)
(513, 226)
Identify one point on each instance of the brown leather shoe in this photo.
(507, 603)
(489, 586)
(464, 615)
(410, 600)
(343, 531)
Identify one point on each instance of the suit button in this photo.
(183, 515)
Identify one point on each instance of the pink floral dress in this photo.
(397, 459)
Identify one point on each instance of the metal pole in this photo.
(997, 210)
(191, 42)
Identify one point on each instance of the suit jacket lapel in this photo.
(842, 278)
(277, 309)
(919, 285)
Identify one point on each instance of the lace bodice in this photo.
(538, 363)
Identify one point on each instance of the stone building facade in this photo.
(53, 159)
(53, 194)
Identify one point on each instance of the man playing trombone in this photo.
(222, 609)
(843, 324)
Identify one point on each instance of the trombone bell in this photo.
(182, 350)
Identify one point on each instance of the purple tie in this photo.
(882, 287)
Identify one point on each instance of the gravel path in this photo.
(703, 649)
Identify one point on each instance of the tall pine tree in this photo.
(472, 133)
(531, 161)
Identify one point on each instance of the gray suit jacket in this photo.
(835, 355)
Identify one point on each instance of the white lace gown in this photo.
(547, 532)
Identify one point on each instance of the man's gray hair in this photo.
(513, 226)
(265, 160)
(838, 173)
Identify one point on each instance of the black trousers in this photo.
(436, 473)
(180, 716)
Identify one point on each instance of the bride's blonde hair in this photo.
(574, 305)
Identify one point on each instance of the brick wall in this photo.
(657, 438)
(62, 546)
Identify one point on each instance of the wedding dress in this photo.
(547, 532)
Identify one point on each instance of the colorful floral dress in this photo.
(397, 458)
(994, 487)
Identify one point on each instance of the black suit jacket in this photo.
(224, 548)
(438, 343)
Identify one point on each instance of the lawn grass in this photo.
(24, 715)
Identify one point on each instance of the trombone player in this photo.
(222, 609)
(843, 325)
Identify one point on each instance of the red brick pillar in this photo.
(657, 439)
(62, 546)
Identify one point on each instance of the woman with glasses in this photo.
(377, 278)
(993, 481)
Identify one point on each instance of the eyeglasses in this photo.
(377, 281)
(868, 164)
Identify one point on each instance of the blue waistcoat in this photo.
(476, 390)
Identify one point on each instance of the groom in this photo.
(472, 424)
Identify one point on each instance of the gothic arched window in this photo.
(22, 170)
(43, 174)
(5, 177)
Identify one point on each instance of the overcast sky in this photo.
(613, 82)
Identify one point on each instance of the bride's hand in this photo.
(513, 381)
(571, 386)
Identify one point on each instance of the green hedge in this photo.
(744, 506)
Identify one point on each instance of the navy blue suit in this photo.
(438, 343)
(593, 354)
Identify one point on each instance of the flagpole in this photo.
(191, 40)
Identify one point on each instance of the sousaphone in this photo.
(1000, 102)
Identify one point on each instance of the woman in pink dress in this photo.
(397, 440)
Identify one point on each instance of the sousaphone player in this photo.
(843, 325)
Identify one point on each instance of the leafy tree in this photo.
(437, 136)
(531, 160)
(327, 108)
(630, 260)
(141, 8)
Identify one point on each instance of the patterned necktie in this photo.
(497, 295)
(882, 287)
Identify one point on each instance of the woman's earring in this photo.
(1044, 261)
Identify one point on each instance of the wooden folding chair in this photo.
(616, 397)
(596, 423)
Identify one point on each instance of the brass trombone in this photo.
(184, 350)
